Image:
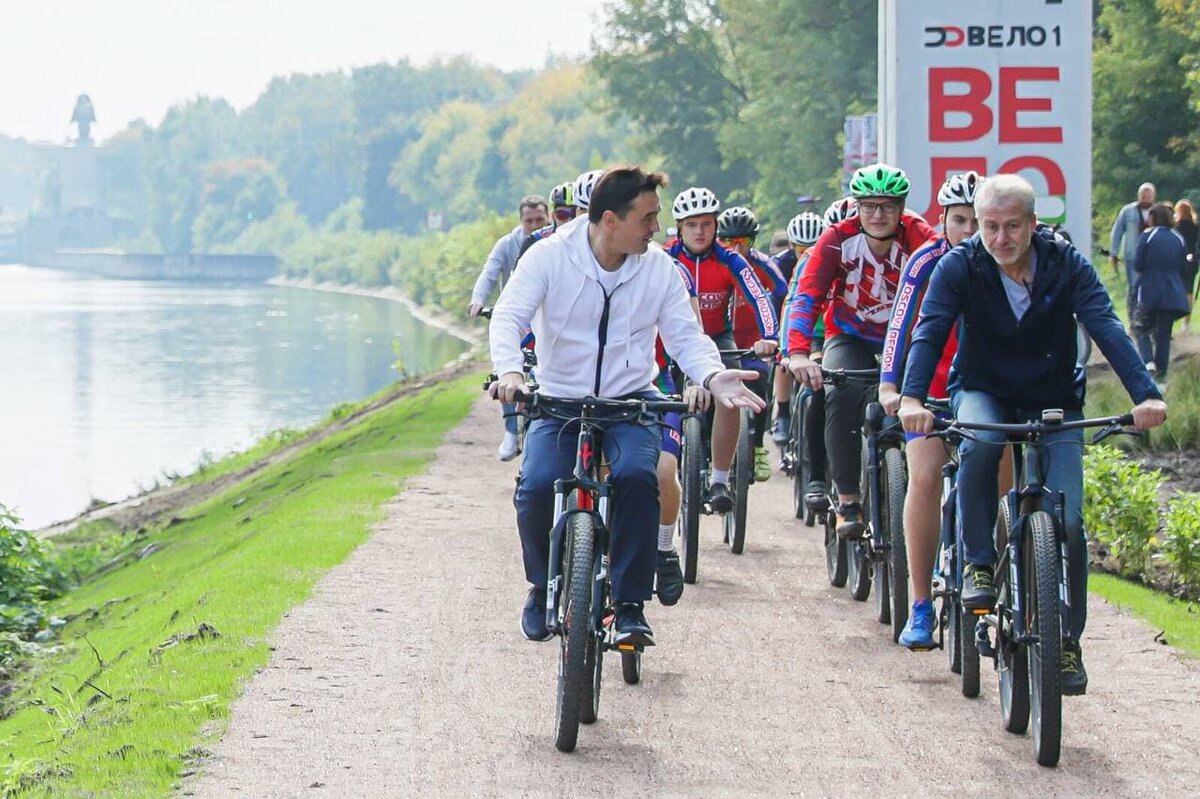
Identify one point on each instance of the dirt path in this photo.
(406, 675)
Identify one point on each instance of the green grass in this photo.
(1179, 621)
(1106, 396)
(119, 712)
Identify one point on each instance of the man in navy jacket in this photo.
(1015, 293)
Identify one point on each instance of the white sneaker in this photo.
(508, 447)
(1150, 367)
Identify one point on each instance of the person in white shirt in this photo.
(596, 295)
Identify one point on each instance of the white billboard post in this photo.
(994, 86)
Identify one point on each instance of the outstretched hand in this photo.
(729, 388)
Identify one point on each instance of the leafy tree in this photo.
(437, 171)
(668, 64)
(236, 193)
(122, 165)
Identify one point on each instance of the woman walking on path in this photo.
(1159, 261)
(1185, 223)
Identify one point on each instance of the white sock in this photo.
(666, 538)
(719, 476)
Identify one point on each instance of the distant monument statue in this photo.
(84, 116)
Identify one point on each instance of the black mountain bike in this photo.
(1025, 633)
(579, 605)
(881, 556)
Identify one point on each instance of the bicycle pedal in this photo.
(630, 648)
(981, 611)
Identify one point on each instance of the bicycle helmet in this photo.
(879, 180)
(737, 222)
(959, 189)
(840, 209)
(805, 228)
(694, 202)
(583, 187)
(562, 195)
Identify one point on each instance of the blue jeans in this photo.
(1062, 470)
(632, 451)
(510, 422)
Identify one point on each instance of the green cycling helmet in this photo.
(879, 180)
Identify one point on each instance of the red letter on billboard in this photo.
(973, 103)
(1056, 184)
(1011, 105)
(940, 169)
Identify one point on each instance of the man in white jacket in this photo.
(596, 295)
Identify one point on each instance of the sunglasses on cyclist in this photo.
(565, 214)
(739, 241)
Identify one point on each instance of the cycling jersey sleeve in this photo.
(686, 277)
(757, 296)
(940, 309)
(816, 276)
(776, 282)
(905, 309)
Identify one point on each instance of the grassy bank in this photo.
(159, 641)
(1178, 621)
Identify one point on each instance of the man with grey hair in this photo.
(1017, 291)
(1130, 222)
(498, 268)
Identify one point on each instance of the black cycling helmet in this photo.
(737, 222)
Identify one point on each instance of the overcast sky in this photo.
(137, 58)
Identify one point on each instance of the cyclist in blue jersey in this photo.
(737, 227)
(563, 210)
(924, 456)
(802, 232)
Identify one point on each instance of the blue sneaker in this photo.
(918, 633)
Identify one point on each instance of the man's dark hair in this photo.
(619, 188)
(532, 201)
(1162, 215)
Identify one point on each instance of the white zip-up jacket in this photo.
(581, 350)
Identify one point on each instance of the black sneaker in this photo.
(850, 520)
(631, 625)
(533, 617)
(719, 499)
(979, 587)
(1074, 675)
(669, 577)
(815, 498)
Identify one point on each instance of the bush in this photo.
(1120, 507)
(29, 576)
(1181, 546)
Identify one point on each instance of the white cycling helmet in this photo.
(841, 209)
(583, 187)
(959, 189)
(694, 202)
(805, 228)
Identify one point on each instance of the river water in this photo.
(107, 387)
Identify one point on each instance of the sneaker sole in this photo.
(529, 637)
(668, 602)
(635, 639)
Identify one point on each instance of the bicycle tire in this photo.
(589, 708)
(860, 563)
(692, 463)
(1041, 566)
(631, 667)
(800, 469)
(1012, 661)
(896, 481)
(952, 612)
(577, 629)
(970, 653)
(835, 552)
(740, 475)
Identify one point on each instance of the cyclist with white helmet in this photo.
(497, 269)
(925, 456)
(840, 210)
(737, 227)
(860, 259)
(719, 272)
(802, 232)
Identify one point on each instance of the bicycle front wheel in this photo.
(1040, 569)
(798, 466)
(1012, 659)
(740, 475)
(693, 490)
(574, 677)
(895, 482)
(835, 552)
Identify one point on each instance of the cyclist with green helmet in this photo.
(861, 258)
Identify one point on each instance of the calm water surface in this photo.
(106, 386)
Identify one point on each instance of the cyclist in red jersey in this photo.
(719, 272)
(860, 259)
(737, 228)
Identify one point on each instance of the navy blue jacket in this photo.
(1031, 363)
(1160, 261)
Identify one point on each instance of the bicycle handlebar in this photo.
(1032, 429)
